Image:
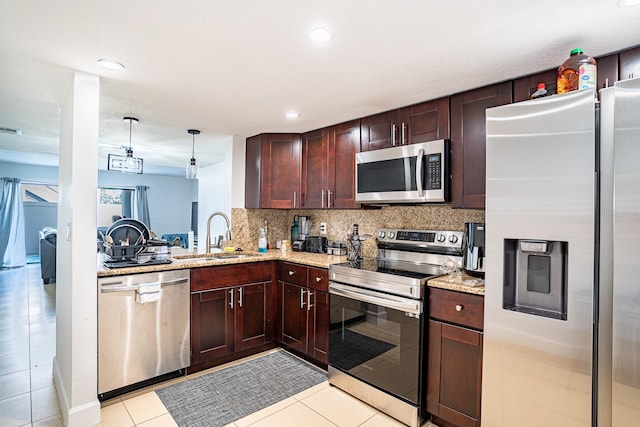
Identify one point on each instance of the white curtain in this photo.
(141, 206)
(13, 252)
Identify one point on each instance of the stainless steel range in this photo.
(377, 323)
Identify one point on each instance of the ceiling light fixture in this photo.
(128, 163)
(193, 166)
(320, 34)
(292, 115)
(110, 64)
(628, 3)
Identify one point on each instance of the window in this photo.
(113, 202)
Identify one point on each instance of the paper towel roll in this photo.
(191, 241)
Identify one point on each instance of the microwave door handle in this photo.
(419, 172)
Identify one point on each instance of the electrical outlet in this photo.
(323, 228)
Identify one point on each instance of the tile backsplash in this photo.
(246, 223)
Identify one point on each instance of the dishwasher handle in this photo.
(119, 286)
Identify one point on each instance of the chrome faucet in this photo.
(227, 234)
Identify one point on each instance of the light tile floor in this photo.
(28, 397)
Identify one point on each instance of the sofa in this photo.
(48, 242)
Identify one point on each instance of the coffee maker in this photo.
(303, 224)
(473, 249)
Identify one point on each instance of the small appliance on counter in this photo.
(315, 244)
(473, 249)
(300, 229)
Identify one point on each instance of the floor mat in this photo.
(224, 396)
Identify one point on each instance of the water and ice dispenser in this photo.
(535, 277)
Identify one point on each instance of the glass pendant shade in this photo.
(128, 163)
(193, 167)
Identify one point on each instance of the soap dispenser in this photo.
(262, 241)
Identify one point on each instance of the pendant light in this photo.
(128, 163)
(193, 166)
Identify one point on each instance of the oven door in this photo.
(376, 338)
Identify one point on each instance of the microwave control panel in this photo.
(434, 172)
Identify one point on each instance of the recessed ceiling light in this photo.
(628, 3)
(292, 114)
(111, 64)
(320, 34)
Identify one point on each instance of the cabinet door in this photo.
(379, 131)
(293, 300)
(252, 177)
(454, 374)
(252, 315)
(343, 144)
(280, 164)
(424, 122)
(524, 87)
(318, 310)
(468, 143)
(629, 63)
(212, 325)
(608, 70)
(314, 169)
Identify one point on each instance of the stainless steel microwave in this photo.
(414, 173)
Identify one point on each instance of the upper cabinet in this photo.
(468, 142)
(273, 169)
(629, 63)
(409, 125)
(328, 166)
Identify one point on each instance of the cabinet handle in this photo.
(403, 134)
(294, 199)
(323, 199)
(231, 298)
(291, 272)
(309, 305)
(240, 297)
(393, 134)
(459, 307)
(329, 199)
(318, 279)
(302, 291)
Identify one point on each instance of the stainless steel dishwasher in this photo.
(143, 330)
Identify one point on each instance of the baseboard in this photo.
(87, 414)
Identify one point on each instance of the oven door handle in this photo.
(406, 305)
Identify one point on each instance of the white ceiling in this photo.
(235, 67)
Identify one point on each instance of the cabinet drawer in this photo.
(457, 307)
(292, 273)
(231, 275)
(319, 279)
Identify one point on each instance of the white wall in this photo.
(170, 197)
(75, 366)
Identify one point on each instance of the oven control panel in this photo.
(422, 238)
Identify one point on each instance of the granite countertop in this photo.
(194, 260)
(460, 282)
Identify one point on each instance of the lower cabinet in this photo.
(304, 310)
(227, 318)
(454, 364)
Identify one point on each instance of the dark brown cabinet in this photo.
(409, 125)
(468, 142)
(231, 310)
(328, 166)
(454, 364)
(304, 310)
(273, 170)
(524, 87)
(629, 61)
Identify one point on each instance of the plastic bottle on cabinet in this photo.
(540, 92)
(579, 71)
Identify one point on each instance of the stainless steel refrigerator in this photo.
(562, 304)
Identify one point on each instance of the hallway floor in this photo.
(27, 348)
